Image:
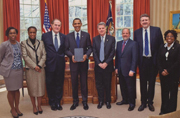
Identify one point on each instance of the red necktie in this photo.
(123, 46)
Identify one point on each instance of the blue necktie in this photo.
(146, 44)
(56, 42)
(77, 40)
(102, 50)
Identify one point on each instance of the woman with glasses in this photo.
(169, 71)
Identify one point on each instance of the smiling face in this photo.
(125, 34)
(12, 35)
(170, 38)
(77, 25)
(145, 22)
(102, 30)
(56, 26)
(32, 33)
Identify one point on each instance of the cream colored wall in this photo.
(1, 22)
(159, 13)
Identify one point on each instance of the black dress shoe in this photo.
(108, 105)
(131, 107)
(53, 107)
(40, 112)
(151, 107)
(14, 116)
(74, 106)
(85, 106)
(161, 113)
(20, 114)
(36, 113)
(100, 105)
(58, 107)
(141, 108)
(121, 103)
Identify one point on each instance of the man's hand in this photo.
(131, 74)
(84, 58)
(73, 59)
(104, 65)
(164, 73)
(116, 70)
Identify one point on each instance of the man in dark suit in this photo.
(103, 53)
(126, 64)
(149, 39)
(78, 39)
(55, 64)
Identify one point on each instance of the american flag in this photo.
(46, 24)
(109, 22)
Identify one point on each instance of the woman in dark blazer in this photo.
(169, 71)
(11, 69)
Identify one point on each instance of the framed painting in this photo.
(174, 23)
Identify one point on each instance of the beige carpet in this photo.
(114, 112)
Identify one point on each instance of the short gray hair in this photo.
(127, 29)
(101, 23)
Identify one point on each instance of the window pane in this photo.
(84, 23)
(21, 11)
(70, 23)
(119, 34)
(38, 35)
(74, 2)
(28, 22)
(127, 21)
(36, 23)
(77, 11)
(127, 9)
(84, 11)
(36, 2)
(35, 11)
(118, 11)
(121, 9)
(23, 35)
(71, 11)
(21, 1)
(22, 23)
(119, 21)
(27, 11)
(27, 1)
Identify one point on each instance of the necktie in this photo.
(56, 42)
(102, 50)
(146, 43)
(77, 40)
(123, 46)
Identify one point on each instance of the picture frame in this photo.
(174, 22)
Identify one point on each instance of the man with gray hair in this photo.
(103, 53)
(126, 64)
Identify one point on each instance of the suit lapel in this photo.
(151, 37)
(99, 43)
(52, 40)
(73, 38)
(126, 46)
(120, 47)
(82, 38)
(106, 41)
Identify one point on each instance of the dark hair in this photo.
(8, 30)
(77, 19)
(52, 22)
(173, 32)
(32, 27)
(144, 15)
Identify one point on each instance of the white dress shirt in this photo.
(75, 34)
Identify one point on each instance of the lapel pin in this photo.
(172, 47)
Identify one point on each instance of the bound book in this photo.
(78, 54)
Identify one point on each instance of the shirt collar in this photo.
(77, 32)
(146, 29)
(166, 45)
(53, 33)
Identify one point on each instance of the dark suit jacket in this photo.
(127, 60)
(70, 45)
(54, 58)
(172, 65)
(156, 40)
(109, 50)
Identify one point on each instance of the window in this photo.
(124, 17)
(78, 9)
(29, 16)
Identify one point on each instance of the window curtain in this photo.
(97, 11)
(1, 22)
(57, 9)
(11, 16)
(140, 7)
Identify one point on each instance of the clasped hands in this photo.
(131, 73)
(103, 65)
(84, 58)
(37, 69)
(165, 72)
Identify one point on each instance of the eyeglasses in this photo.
(169, 36)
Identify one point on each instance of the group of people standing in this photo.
(45, 65)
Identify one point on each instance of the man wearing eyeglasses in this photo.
(149, 39)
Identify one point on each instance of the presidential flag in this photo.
(109, 22)
(46, 24)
